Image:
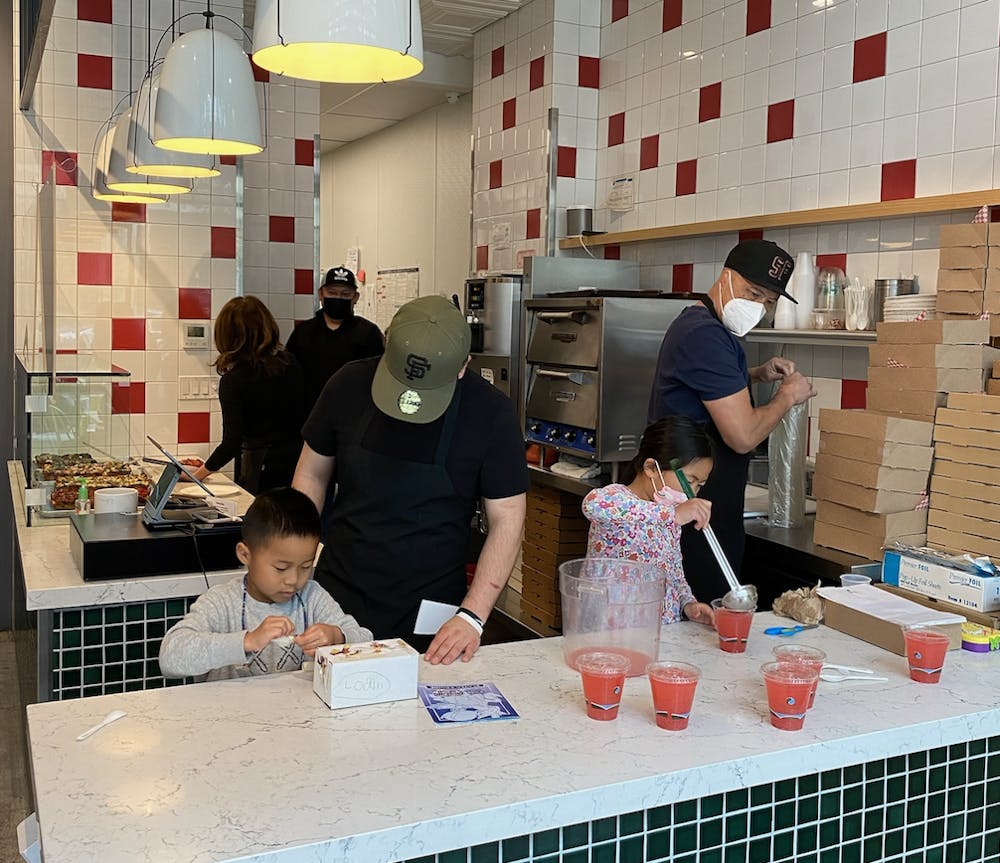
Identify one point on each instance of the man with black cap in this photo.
(421, 444)
(702, 373)
(334, 336)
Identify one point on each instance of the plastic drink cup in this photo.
(849, 578)
(673, 685)
(812, 657)
(925, 650)
(733, 627)
(788, 687)
(603, 676)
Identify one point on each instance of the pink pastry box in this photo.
(368, 672)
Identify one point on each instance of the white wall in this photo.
(403, 195)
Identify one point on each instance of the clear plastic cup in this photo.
(849, 578)
(673, 685)
(925, 651)
(603, 677)
(733, 627)
(788, 687)
(803, 653)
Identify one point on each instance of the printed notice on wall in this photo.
(621, 198)
(394, 288)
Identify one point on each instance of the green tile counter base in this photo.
(936, 806)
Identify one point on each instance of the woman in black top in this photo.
(261, 393)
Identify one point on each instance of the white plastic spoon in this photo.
(837, 677)
(113, 716)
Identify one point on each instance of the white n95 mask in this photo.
(739, 316)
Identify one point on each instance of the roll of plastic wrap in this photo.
(786, 478)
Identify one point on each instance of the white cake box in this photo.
(368, 672)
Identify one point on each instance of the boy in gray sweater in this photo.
(270, 618)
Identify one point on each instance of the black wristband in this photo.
(471, 614)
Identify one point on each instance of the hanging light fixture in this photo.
(99, 185)
(342, 41)
(207, 99)
(144, 157)
(120, 180)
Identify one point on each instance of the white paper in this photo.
(886, 606)
(621, 197)
(352, 258)
(393, 289)
(432, 615)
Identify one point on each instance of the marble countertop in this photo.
(51, 579)
(261, 770)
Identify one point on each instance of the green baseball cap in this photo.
(426, 346)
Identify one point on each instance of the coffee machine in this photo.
(493, 309)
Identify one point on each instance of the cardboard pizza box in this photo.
(961, 280)
(962, 488)
(855, 541)
(967, 437)
(957, 332)
(969, 455)
(934, 356)
(876, 451)
(960, 301)
(980, 403)
(875, 426)
(963, 257)
(927, 379)
(988, 510)
(962, 543)
(882, 526)
(965, 234)
(918, 403)
(867, 499)
(870, 475)
(969, 419)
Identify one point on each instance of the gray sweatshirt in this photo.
(208, 642)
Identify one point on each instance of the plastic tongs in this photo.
(785, 631)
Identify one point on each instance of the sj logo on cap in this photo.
(409, 402)
(416, 367)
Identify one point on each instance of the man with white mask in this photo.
(702, 373)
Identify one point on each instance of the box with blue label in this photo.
(938, 580)
(369, 672)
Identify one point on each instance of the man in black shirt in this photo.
(422, 442)
(334, 336)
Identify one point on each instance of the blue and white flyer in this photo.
(450, 704)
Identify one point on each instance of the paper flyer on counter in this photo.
(450, 704)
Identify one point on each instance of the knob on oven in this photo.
(569, 436)
(552, 433)
(535, 428)
(591, 440)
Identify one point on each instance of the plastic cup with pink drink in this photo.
(603, 676)
(673, 684)
(788, 687)
(733, 626)
(802, 653)
(926, 647)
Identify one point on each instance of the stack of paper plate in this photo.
(907, 307)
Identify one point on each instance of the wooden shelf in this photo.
(822, 216)
(836, 338)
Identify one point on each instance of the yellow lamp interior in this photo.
(209, 146)
(126, 198)
(337, 62)
(180, 171)
(147, 187)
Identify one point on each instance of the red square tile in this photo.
(536, 73)
(616, 129)
(128, 334)
(758, 16)
(589, 72)
(566, 162)
(194, 304)
(127, 212)
(281, 229)
(619, 9)
(683, 279)
(510, 113)
(687, 177)
(899, 180)
(304, 151)
(128, 398)
(710, 102)
(304, 283)
(223, 242)
(613, 252)
(227, 160)
(496, 173)
(93, 268)
(751, 234)
(496, 62)
(649, 152)
(261, 76)
(482, 257)
(671, 14)
(94, 10)
(869, 57)
(533, 224)
(780, 121)
(832, 260)
(853, 394)
(65, 165)
(94, 71)
(193, 427)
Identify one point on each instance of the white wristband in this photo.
(469, 619)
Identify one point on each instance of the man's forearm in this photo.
(494, 567)
(766, 417)
(311, 486)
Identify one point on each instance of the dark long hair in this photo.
(673, 437)
(247, 334)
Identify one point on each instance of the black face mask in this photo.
(338, 308)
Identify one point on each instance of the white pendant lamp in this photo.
(207, 99)
(120, 180)
(99, 185)
(144, 157)
(344, 41)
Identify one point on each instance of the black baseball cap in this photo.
(764, 264)
(339, 276)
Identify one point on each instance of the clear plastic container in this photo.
(614, 606)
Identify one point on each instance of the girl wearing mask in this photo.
(641, 519)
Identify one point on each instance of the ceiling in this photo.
(352, 111)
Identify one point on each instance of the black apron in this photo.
(398, 533)
(262, 468)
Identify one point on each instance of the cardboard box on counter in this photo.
(877, 616)
(881, 526)
(367, 672)
(983, 618)
(967, 437)
(877, 451)
(987, 510)
(979, 403)
(927, 379)
(960, 332)
(963, 489)
(965, 524)
(967, 454)
(993, 324)
(867, 499)
(960, 302)
(962, 543)
(856, 542)
(938, 579)
(875, 426)
(964, 234)
(968, 472)
(870, 475)
(963, 257)
(961, 280)
(972, 420)
(914, 403)
(933, 356)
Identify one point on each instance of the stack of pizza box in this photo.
(968, 284)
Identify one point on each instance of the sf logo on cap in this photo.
(416, 367)
(779, 266)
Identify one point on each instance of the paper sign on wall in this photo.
(394, 288)
(621, 198)
(352, 259)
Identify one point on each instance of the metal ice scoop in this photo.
(741, 597)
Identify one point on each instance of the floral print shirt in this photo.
(627, 527)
